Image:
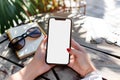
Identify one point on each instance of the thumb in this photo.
(73, 52)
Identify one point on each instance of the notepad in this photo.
(31, 44)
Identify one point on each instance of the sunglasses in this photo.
(19, 42)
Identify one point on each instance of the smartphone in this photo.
(59, 39)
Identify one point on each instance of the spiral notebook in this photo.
(31, 44)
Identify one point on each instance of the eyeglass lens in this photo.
(34, 32)
(19, 42)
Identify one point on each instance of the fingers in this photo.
(73, 52)
(44, 41)
(42, 44)
(74, 44)
(77, 46)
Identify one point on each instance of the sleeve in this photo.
(93, 76)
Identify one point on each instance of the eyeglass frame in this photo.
(23, 36)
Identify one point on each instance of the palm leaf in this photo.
(10, 13)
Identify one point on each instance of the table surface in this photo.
(104, 56)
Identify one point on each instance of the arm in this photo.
(35, 68)
(29, 72)
(80, 61)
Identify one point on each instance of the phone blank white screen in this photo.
(58, 41)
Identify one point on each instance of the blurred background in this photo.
(17, 12)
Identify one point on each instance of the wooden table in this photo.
(108, 65)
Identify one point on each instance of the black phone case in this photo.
(58, 18)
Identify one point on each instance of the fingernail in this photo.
(68, 49)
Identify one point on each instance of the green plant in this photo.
(12, 12)
(45, 5)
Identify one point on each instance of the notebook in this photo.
(31, 44)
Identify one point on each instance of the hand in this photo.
(79, 59)
(39, 58)
(36, 67)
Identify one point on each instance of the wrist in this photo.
(38, 67)
(88, 70)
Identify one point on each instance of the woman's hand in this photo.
(36, 67)
(79, 60)
(39, 58)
